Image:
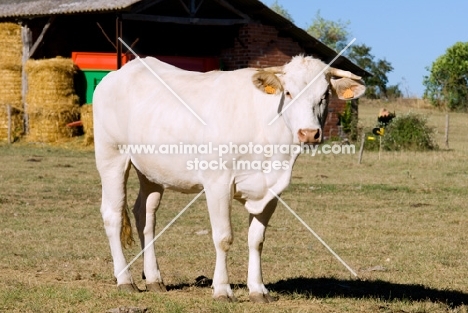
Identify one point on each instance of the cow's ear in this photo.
(347, 88)
(267, 82)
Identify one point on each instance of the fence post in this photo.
(447, 131)
(361, 149)
(8, 108)
(26, 36)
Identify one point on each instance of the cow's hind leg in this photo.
(144, 211)
(257, 228)
(218, 197)
(114, 174)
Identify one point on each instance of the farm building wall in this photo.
(259, 45)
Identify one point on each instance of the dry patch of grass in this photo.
(400, 222)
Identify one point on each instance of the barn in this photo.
(197, 35)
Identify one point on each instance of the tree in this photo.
(394, 92)
(278, 8)
(336, 36)
(447, 83)
(333, 34)
(377, 84)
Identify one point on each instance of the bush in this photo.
(369, 144)
(346, 118)
(348, 121)
(409, 132)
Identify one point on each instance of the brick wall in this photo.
(331, 126)
(259, 45)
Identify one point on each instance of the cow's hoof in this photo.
(156, 287)
(261, 298)
(225, 299)
(128, 288)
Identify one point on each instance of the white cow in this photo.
(131, 106)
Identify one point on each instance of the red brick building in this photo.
(192, 34)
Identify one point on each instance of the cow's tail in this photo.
(126, 237)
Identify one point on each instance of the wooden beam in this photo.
(41, 36)
(106, 36)
(185, 7)
(118, 34)
(183, 20)
(8, 108)
(26, 37)
(199, 5)
(232, 9)
(195, 9)
(192, 11)
(143, 5)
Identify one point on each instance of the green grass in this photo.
(399, 221)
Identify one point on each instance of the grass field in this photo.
(400, 221)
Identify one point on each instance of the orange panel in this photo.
(97, 61)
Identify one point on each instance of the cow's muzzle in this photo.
(309, 136)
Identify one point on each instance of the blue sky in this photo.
(410, 34)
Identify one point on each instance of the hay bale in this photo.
(50, 84)
(51, 126)
(87, 120)
(11, 45)
(51, 99)
(11, 49)
(16, 123)
(10, 81)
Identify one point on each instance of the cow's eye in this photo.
(325, 97)
(326, 94)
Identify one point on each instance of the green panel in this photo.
(93, 78)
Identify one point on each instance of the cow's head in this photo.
(305, 109)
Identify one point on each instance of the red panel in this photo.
(198, 64)
(97, 61)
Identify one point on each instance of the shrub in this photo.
(348, 121)
(371, 145)
(409, 132)
(346, 118)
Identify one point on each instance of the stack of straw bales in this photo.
(87, 120)
(11, 48)
(51, 99)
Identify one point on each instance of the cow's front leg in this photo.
(218, 198)
(257, 228)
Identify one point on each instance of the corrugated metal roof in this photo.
(29, 8)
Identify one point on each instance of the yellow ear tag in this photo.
(348, 93)
(270, 89)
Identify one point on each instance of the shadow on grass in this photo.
(357, 289)
(376, 289)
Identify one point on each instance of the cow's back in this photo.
(132, 106)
